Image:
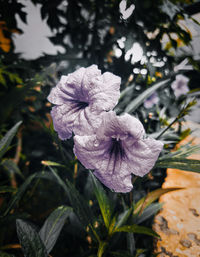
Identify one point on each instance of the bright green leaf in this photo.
(150, 198)
(137, 229)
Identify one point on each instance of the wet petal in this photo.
(106, 93)
(94, 154)
(86, 122)
(120, 126)
(90, 151)
(63, 119)
(142, 155)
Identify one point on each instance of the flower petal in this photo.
(90, 151)
(120, 126)
(94, 154)
(63, 119)
(142, 155)
(86, 122)
(106, 92)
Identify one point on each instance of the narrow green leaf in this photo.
(148, 212)
(179, 163)
(23, 188)
(101, 249)
(124, 217)
(137, 229)
(80, 206)
(30, 240)
(7, 189)
(12, 167)
(50, 163)
(150, 198)
(53, 225)
(121, 254)
(4, 254)
(103, 200)
(19, 194)
(148, 92)
(6, 140)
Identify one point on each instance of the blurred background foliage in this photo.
(143, 42)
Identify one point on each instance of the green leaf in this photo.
(183, 152)
(121, 254)
(19, 193)
(53, 225)
(6, 140)
(103, 200)
(80, 206)
(4, 254)
(124, 217)
(50, 163)
(137, 229)
(150, 198)
(7, 189)
(148, 212)
(23, 188)
(180, 163)
(148, 92)
(101, 249)
(12, 167)
(30, 240)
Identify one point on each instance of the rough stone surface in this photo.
(178, 223)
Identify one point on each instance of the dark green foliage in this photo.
(30, 240)
(39, 172)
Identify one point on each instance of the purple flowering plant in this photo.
(180, 85)
(113, 146)
(117, 148)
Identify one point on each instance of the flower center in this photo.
(81, 105)
(116, 148)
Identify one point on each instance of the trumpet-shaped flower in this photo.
(151, 101)
(179, 85)
(80, 98)
(117, 150)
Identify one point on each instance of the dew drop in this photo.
(96, 143)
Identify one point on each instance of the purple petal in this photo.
(120, 126)
(142, 155)
(86, 122)
(180, 86)
(95, 154)
(106, 93)
(117, 151)
(80, 99)
(63, 119)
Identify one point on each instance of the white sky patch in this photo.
(136, 52)
(121, 42)
(34, 41)
(117, 51)
(126, 13)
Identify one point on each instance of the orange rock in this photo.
(178, 223)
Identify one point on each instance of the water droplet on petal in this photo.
(96, 143)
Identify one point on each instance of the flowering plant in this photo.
(113, 146)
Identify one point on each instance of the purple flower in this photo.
(180, 85)
(117, 150)
(151, 101)
(80, 98)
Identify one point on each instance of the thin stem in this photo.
(175, 120)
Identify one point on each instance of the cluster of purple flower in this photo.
(113, 146)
